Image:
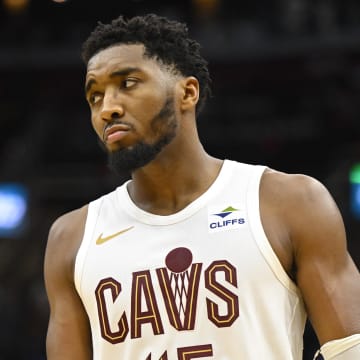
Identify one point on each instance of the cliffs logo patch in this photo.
(230, 217)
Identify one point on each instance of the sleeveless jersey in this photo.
(201, 283)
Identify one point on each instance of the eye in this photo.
(129, 83)
(94, 98)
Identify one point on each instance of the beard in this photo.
(128, 159)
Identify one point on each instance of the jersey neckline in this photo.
(143, 216)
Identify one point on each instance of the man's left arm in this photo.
(325, 272)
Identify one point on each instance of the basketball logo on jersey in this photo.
(228, 218)
(178, 282)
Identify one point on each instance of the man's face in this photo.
(132, 105)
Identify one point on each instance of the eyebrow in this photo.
(122, 72)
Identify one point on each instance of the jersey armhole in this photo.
(253, 201)
(90, 224)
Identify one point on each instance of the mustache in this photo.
(165, 112)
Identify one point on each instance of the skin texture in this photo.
(299, 216)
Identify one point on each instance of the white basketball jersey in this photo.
(200, 283)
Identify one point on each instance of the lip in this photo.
(117, 129)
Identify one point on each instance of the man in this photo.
(194, 257)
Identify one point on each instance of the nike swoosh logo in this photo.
(100, 240)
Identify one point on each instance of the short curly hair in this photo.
(165, 40)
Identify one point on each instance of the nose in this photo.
(112, 108)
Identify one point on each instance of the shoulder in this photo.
(307, 209)
(68, 223)
(65, 236)
(294, 189)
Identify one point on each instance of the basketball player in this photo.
(194, 257)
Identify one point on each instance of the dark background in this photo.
(286, 83)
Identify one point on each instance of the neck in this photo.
(179, 174)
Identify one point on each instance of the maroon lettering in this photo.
(192, 352)
(179, 288)
(143, 291)
(114, 337)
(163, 356)
(189, 352)
(222, 292)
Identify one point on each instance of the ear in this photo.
(189, 93)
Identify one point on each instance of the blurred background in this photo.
(286, 83)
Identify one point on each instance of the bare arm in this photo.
(68, 334)
(325, 272)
